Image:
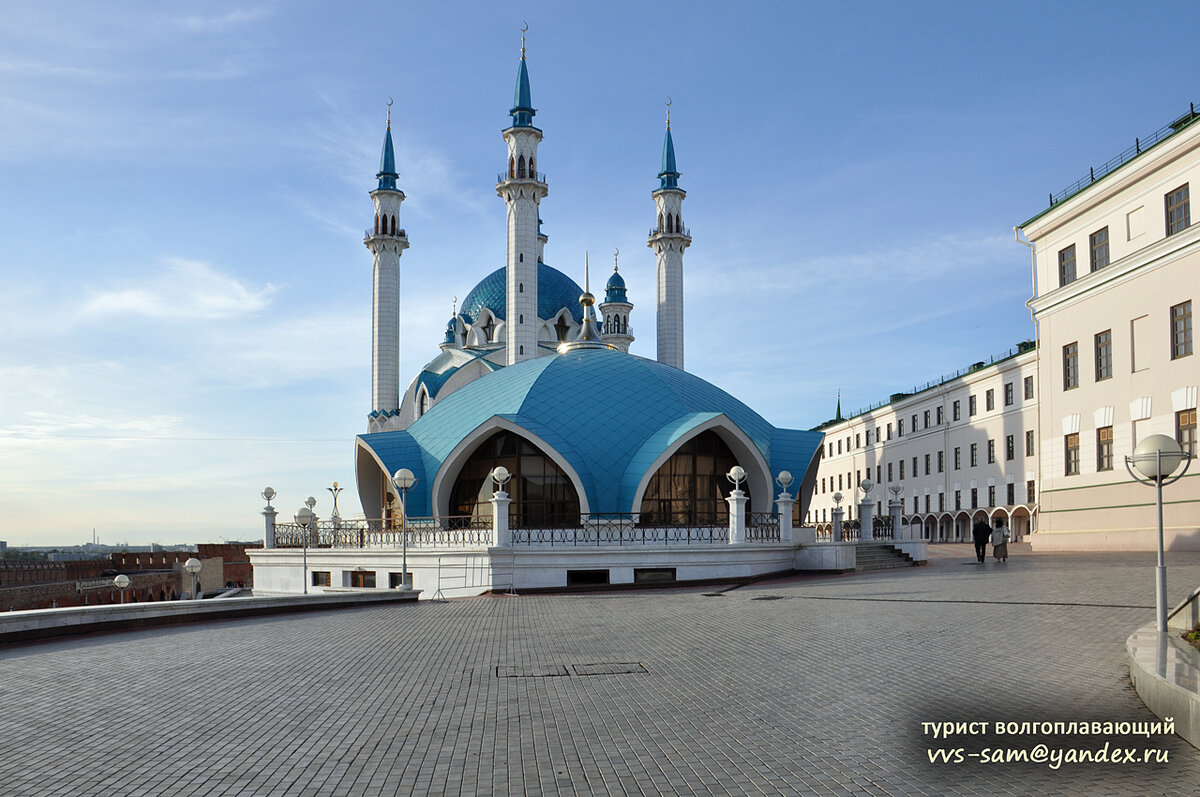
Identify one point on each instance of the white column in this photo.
(784, 502)
(837, 523)
(896, 507)
(866, 509)
(501, 536)
(737, 516)
(269, 515)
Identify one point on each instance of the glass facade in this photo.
(690, 487)
(542, 495)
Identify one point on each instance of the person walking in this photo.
(1000, 541)
(980, 533)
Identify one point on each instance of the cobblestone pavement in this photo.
(806, 685)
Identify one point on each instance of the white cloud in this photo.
(188, 289)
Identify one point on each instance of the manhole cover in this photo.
(530, 670)
(619, 668)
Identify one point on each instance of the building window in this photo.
(1029, 492)
(974, 454)
(957, 500)
(914, 470)
(941, 502)
(889, 431)
(927, 459)
(1066, 265)
(956, 411)
(1178, 215)
(831, 449)
(926, 503)
(1071, 444)
(1028, 387)
(839, 481)
(868, 437)
(1029, 443)
(972, 406)
(1008, 394)
(941, 461)
(915, 507)
(839, 447)
(878, 471)
(1104, 355)
(939, 416)
(1012, 493)
(857, 440)
(542, 494)
(914, 420)
(362, 579)
(1181, 330)
(991, 495)
(974, 497)
(684, 490)
(900, 428)
(322, 578)
(991, 452)
(1098, 243)
(1104, 443)
(890, 470)
(1185, 431)
(926, 419)
(957, 458)
(1010, 448)
(989, 400)
(1070, 366)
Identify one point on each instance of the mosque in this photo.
(535, 378)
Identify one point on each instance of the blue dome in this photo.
(451, 331)
(614, 289)
(555, 291)
(611, 435)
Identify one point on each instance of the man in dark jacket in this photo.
(980, 532)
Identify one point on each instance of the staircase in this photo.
(880, 556)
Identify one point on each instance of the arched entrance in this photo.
(542, 495)
(690, 487)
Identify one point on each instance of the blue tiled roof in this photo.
(614, 289)
(610, 414)
(522, 110)
(445, 365)
(555, 291)
(387, 164)
(668, 177)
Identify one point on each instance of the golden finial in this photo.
(524, 27)
(616, 254)
(390, 113)
(668, 113)
(586, 286)
(454, 308)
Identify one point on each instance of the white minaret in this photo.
(522, 189)
(668, 239)
(615, 310)
(387, 241)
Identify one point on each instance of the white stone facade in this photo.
(668, 240)
(959, 450)
(522, 191)
(387, 241)
(1115, 267)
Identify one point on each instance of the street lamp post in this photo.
(304, 519)
(192, 566)
(121, 582)
(1156, 458)
(404, 479)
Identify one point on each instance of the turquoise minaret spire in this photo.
(669, 176)
(387, 160)
(668, 239)
(522, 110)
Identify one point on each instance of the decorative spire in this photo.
(839, 417)
(669, 176)
(387, 160)
(589, 334)
(522, 110)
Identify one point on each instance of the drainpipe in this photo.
(1037, 367)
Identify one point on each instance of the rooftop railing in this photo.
(535, 176)
(685, 231)
(367, 234)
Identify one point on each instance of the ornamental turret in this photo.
(615, 310)
(668, 239)
(522, 189)
(387, 241)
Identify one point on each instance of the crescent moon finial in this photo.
(616, 254)
(524, 27)
(668, 113)
(389, 106)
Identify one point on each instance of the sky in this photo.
(185, 299)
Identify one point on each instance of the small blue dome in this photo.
(452, 331)
(614, 289)
(555, 291)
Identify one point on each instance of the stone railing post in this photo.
(784, 502)
(896, 507)
(837, 514)
(269, 534)
(866, 520)
(501, 536)
(737, 516)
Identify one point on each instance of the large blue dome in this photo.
(610, 415)
(555, 291)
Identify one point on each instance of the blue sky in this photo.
(184, 294)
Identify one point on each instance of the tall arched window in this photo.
(423, 402)
(660, 222)
(678, 224)
(377, 224)
(521, 166)
(670, 223)
(512, 168)
(624, 325)
(690, 487)
(532, 172)
(542, 495)
(393, 225)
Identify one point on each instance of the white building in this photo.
(959, 449)
(1116, 265)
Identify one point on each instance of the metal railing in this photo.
(453, 531)
(539, 177)
(881, 528)
(615, 533)
(1140, 145)
(762, 527)
(685, 231)
(368, 234)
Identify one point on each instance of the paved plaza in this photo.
(804, 685)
